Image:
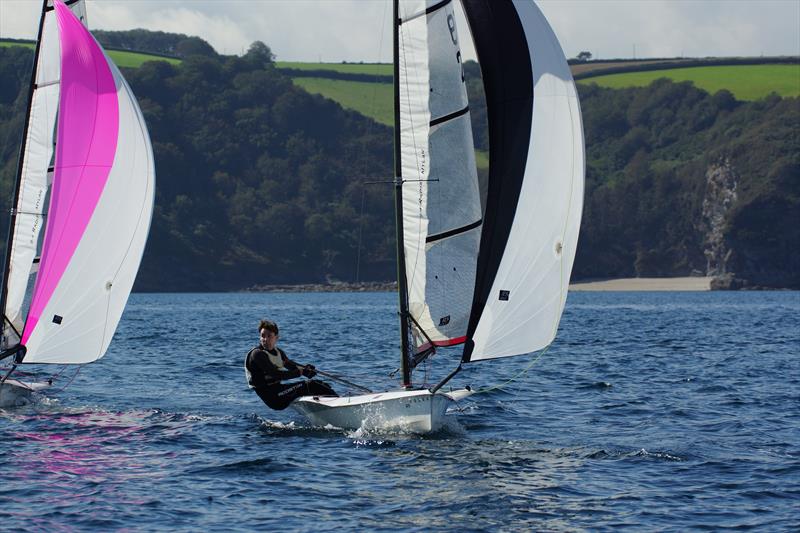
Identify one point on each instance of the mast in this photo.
(402, 284)
(20, 165)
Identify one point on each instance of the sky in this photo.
(359, 30)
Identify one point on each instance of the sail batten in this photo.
(449, 117)
(453, 232)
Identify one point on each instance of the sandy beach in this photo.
(645, 284)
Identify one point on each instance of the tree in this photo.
(584, 56)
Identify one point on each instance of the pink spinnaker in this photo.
(86, 142)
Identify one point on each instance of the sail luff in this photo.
(402, 283)
(17, 184)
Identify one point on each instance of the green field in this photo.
(371, 99)
(482, 159)
(372, 69)
(120, 58)
(26, 45)
(746, 82)
(135, 59)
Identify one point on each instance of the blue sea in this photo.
(650, 411)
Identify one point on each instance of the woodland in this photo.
(260, 182)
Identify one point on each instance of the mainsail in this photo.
(441, 201)
(495, 280)
(97, 207)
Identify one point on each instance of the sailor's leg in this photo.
(289, 392)
(276, 396)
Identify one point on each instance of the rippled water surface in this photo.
(667, 411)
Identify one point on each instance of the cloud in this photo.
(669, 28)
(222, 30)
(360, 30)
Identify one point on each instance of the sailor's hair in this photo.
(268, 325)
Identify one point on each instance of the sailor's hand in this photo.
(309, 371)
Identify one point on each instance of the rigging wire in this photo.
(369, 132)
(68, 382)
(515, 377)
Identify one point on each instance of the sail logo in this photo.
(36, 220)
(444, 320)
(422, 158)
(451, 25)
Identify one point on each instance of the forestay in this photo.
(100, 206)
(441, 204)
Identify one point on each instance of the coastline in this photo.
(623, 284)
(693, 283)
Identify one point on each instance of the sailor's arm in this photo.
(265, 365)
(304, 370)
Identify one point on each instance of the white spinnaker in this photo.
(95, 286)
(441, 195)
(34, 179)
(540, 251)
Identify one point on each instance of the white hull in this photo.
(14, 393)
(413, 411)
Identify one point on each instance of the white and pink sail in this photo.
(96, 199)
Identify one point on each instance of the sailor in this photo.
(267, 366)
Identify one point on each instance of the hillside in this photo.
(366, 88)
(745, 82)
(257, 181)
(121, 58)
(260, 182)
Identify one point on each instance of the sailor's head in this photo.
(268, 333)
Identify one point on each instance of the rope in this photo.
(70, 380)
(343, 381)
(521, 373)
(50, 380)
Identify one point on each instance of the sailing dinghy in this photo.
(483, 267)
(85, 177)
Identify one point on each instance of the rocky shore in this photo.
(371, 286)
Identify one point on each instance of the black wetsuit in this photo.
(264, 377)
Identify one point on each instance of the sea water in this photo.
(651, 411)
